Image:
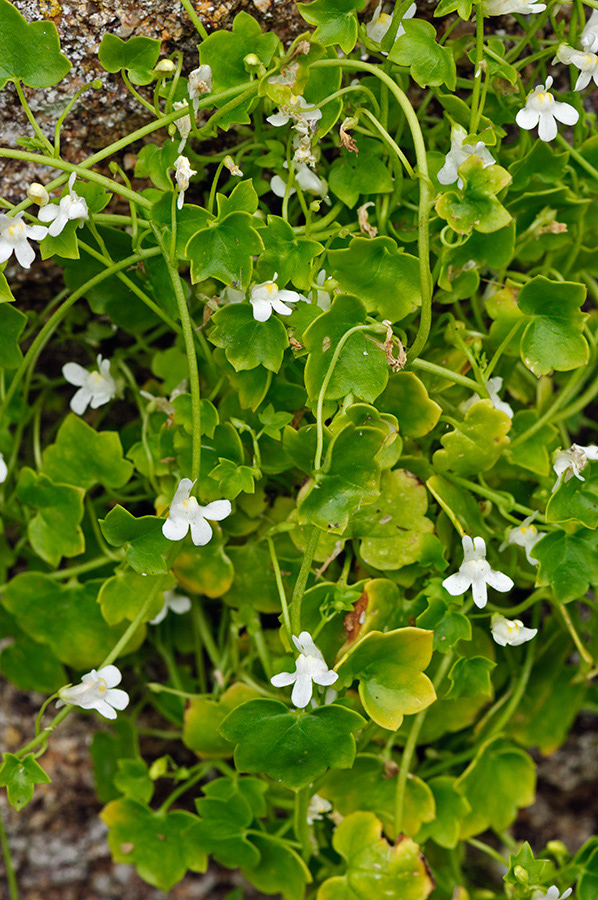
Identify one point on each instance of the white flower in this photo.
(186, 513)
(324, 299)
(552, 894)
(3, 469)
(542, 109)
(310, 666)
(526, 536)
(95, 388)
(297, 109)
(70, 207)
(572, 461)
(198, 83)
(232, 166)
(510, 631)
(183, 172)
(38, 194)
(505, 7)
(14, 237)
(97, 691)
(493, 386)
(267, 296)
(231, 295)
(476, 573)
(457, 155)
(317, 809)
(176, 602)
(589, 36)
(183, 124)
(584, 60)
(380, 23)
(288, 75)
(304, 177)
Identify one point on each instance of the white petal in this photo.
(48, 213)
(80, 401)
(325, 678)
(280, 307)
(262, 310)
(183, 491)
(161, 615)
(565, 113)
(499, 581)
(284, 679)
(6, 248)
(591, 451)
(179, 604)
(3, 469)
(456, 584)
(479, 592)
(302, 691)
(36, 232)
(217, 510)
(111, 675)
(24, 253)
(59, 223)
(479, 548)
(175, 528)
(74, 373)
(117, 698)
(201, 531)
(547, 128)
(290, 296)
(104, 709)
(278, 119)
(527, 118)
(278, 186)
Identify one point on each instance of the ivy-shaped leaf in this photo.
(138, 56)
(575, 501)
(19, 777)
(288, 255)
(353, 174)
(451, 806)
(32, 666)
(18, 41)
(246, 342)
(225, 250)
(553, 339)
(55, 530)
(374, 868)
(12, 323)
(429, 63)
(204, 716)
(280, 869)
(293, 746)
(568, 563)
(85, 457)
(336, 22)
(406, 396)
(144, 537)
(123, 595)
(476, 206)
(476, 443)
(225, 51)
(389, 668)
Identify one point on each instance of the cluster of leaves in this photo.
(353, 469)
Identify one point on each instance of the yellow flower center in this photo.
(16, 229)
(271, 287)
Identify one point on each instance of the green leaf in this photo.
(448, 626)
(225, 51)
(553, 339)
(224, 250)
(542, 163)
(161, 847)
(64, 244)
(374, 868)
(500, 779)
(132, 779)
(246, 342)
(394, 527)
(568, 562)
(336, 22)
(205, 570)
(476, 205)
(243, 198)
(450, 808)
(19, 777)
(32, 667)
(524, 859)
(138, 56)
(534, 452)
(288, 255)
(460, 501)
(361, 368)
(476, 443)
(470, 677)
(85, 457)
(204, 716)
(280, 870)
(226, 814)
(380, 274)
(407, 397)
(353, 174)
(254, 578)
(462, 7)
(429, 63)
(123, 595)
(389, 668)
(65, 617)
(144, 537)
(575, 501)
(55, 530)
(30, 52)
(6, 295)
(294, 747)
(12, 323)
(233, 479)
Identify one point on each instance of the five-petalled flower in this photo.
(310, 666)
(95, 388)
(267, 296)
(571, 462)
(183, 172)
(98, 691)
(543, 110)
(380, 22)
(510, 631)
(186, 513)
(457, 155)
(526, 536)
(476, 573)
(15, 235)
(584, 60)
(552, 893)
(71, 206)
(178, 603)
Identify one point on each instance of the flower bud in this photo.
(521, 875)
(165, 67)
(252, 61)
(38, 194)
(96, 84)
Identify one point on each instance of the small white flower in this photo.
(267, 296)
(572, 462)
(38, 194)
(95, 388)
(198, 83)
(176, 602)
(589, 36)
(3, 469)
(15, 236)
(510, 631)
(231, 295)
(232, 166)
(457, 155)
(97, 691)
(70, 207)
(297, 109)
(380, 23)
(476, 573)
(543, 110)
(505, 7)
(552, 894)
(318, 807)
(493, 386)
(324, 299)
(526, 536)
(186, 513)
(306, 179)
(310, 666)
(183, 124)
(183, 172)
(584, 60)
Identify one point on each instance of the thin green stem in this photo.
(11, 878)
(183, 788)
(299, 589)
(489, 851)
(281, 591)
(301, 826)
(32, 120)
(455, 377)
(73, 571)
(188, 6)
(477, 73)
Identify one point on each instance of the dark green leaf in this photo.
(29, 51)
